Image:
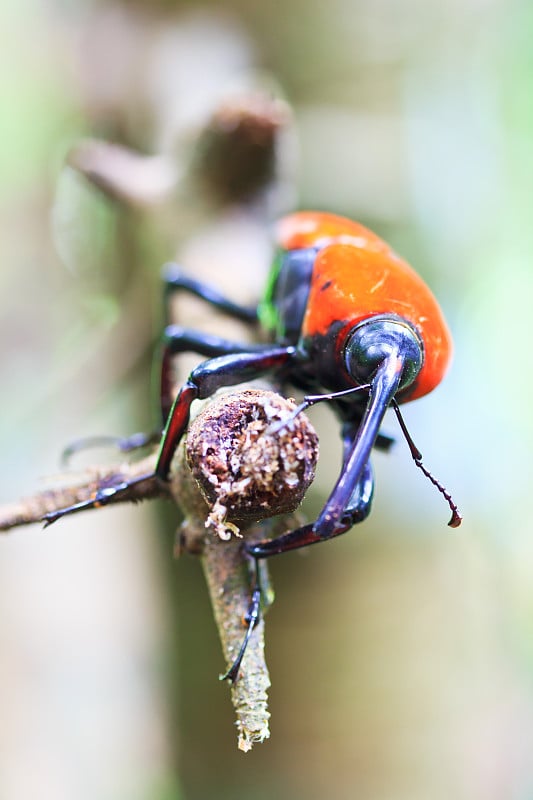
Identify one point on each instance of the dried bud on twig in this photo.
(237, 153)
(244, 471)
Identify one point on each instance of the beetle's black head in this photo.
(378, 338)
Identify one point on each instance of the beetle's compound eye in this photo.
(373, 340)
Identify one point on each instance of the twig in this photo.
(227, 579)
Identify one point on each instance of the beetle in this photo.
(350, 322)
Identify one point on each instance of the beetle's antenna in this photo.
(456, 518)
(310, 400)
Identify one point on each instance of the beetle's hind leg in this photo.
(176, 280)
(175, 341)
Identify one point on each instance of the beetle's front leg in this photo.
(177, 340)
(203, 382)
(356, 511)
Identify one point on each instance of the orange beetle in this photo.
(346, 315)
(354, 276)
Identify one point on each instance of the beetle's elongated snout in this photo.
(383, 387)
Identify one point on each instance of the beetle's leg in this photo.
(348, 432)
(357, 509)
(383, 442)
(336, 517)
(204, 380)
(228, 370)
(175, 279)
(125, 444)
(251, 619)
(177, 339)
(260, 601)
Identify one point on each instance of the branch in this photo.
(236, 156)
(78, 487)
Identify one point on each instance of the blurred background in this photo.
(401, 654)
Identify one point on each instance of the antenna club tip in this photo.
(455, 520)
